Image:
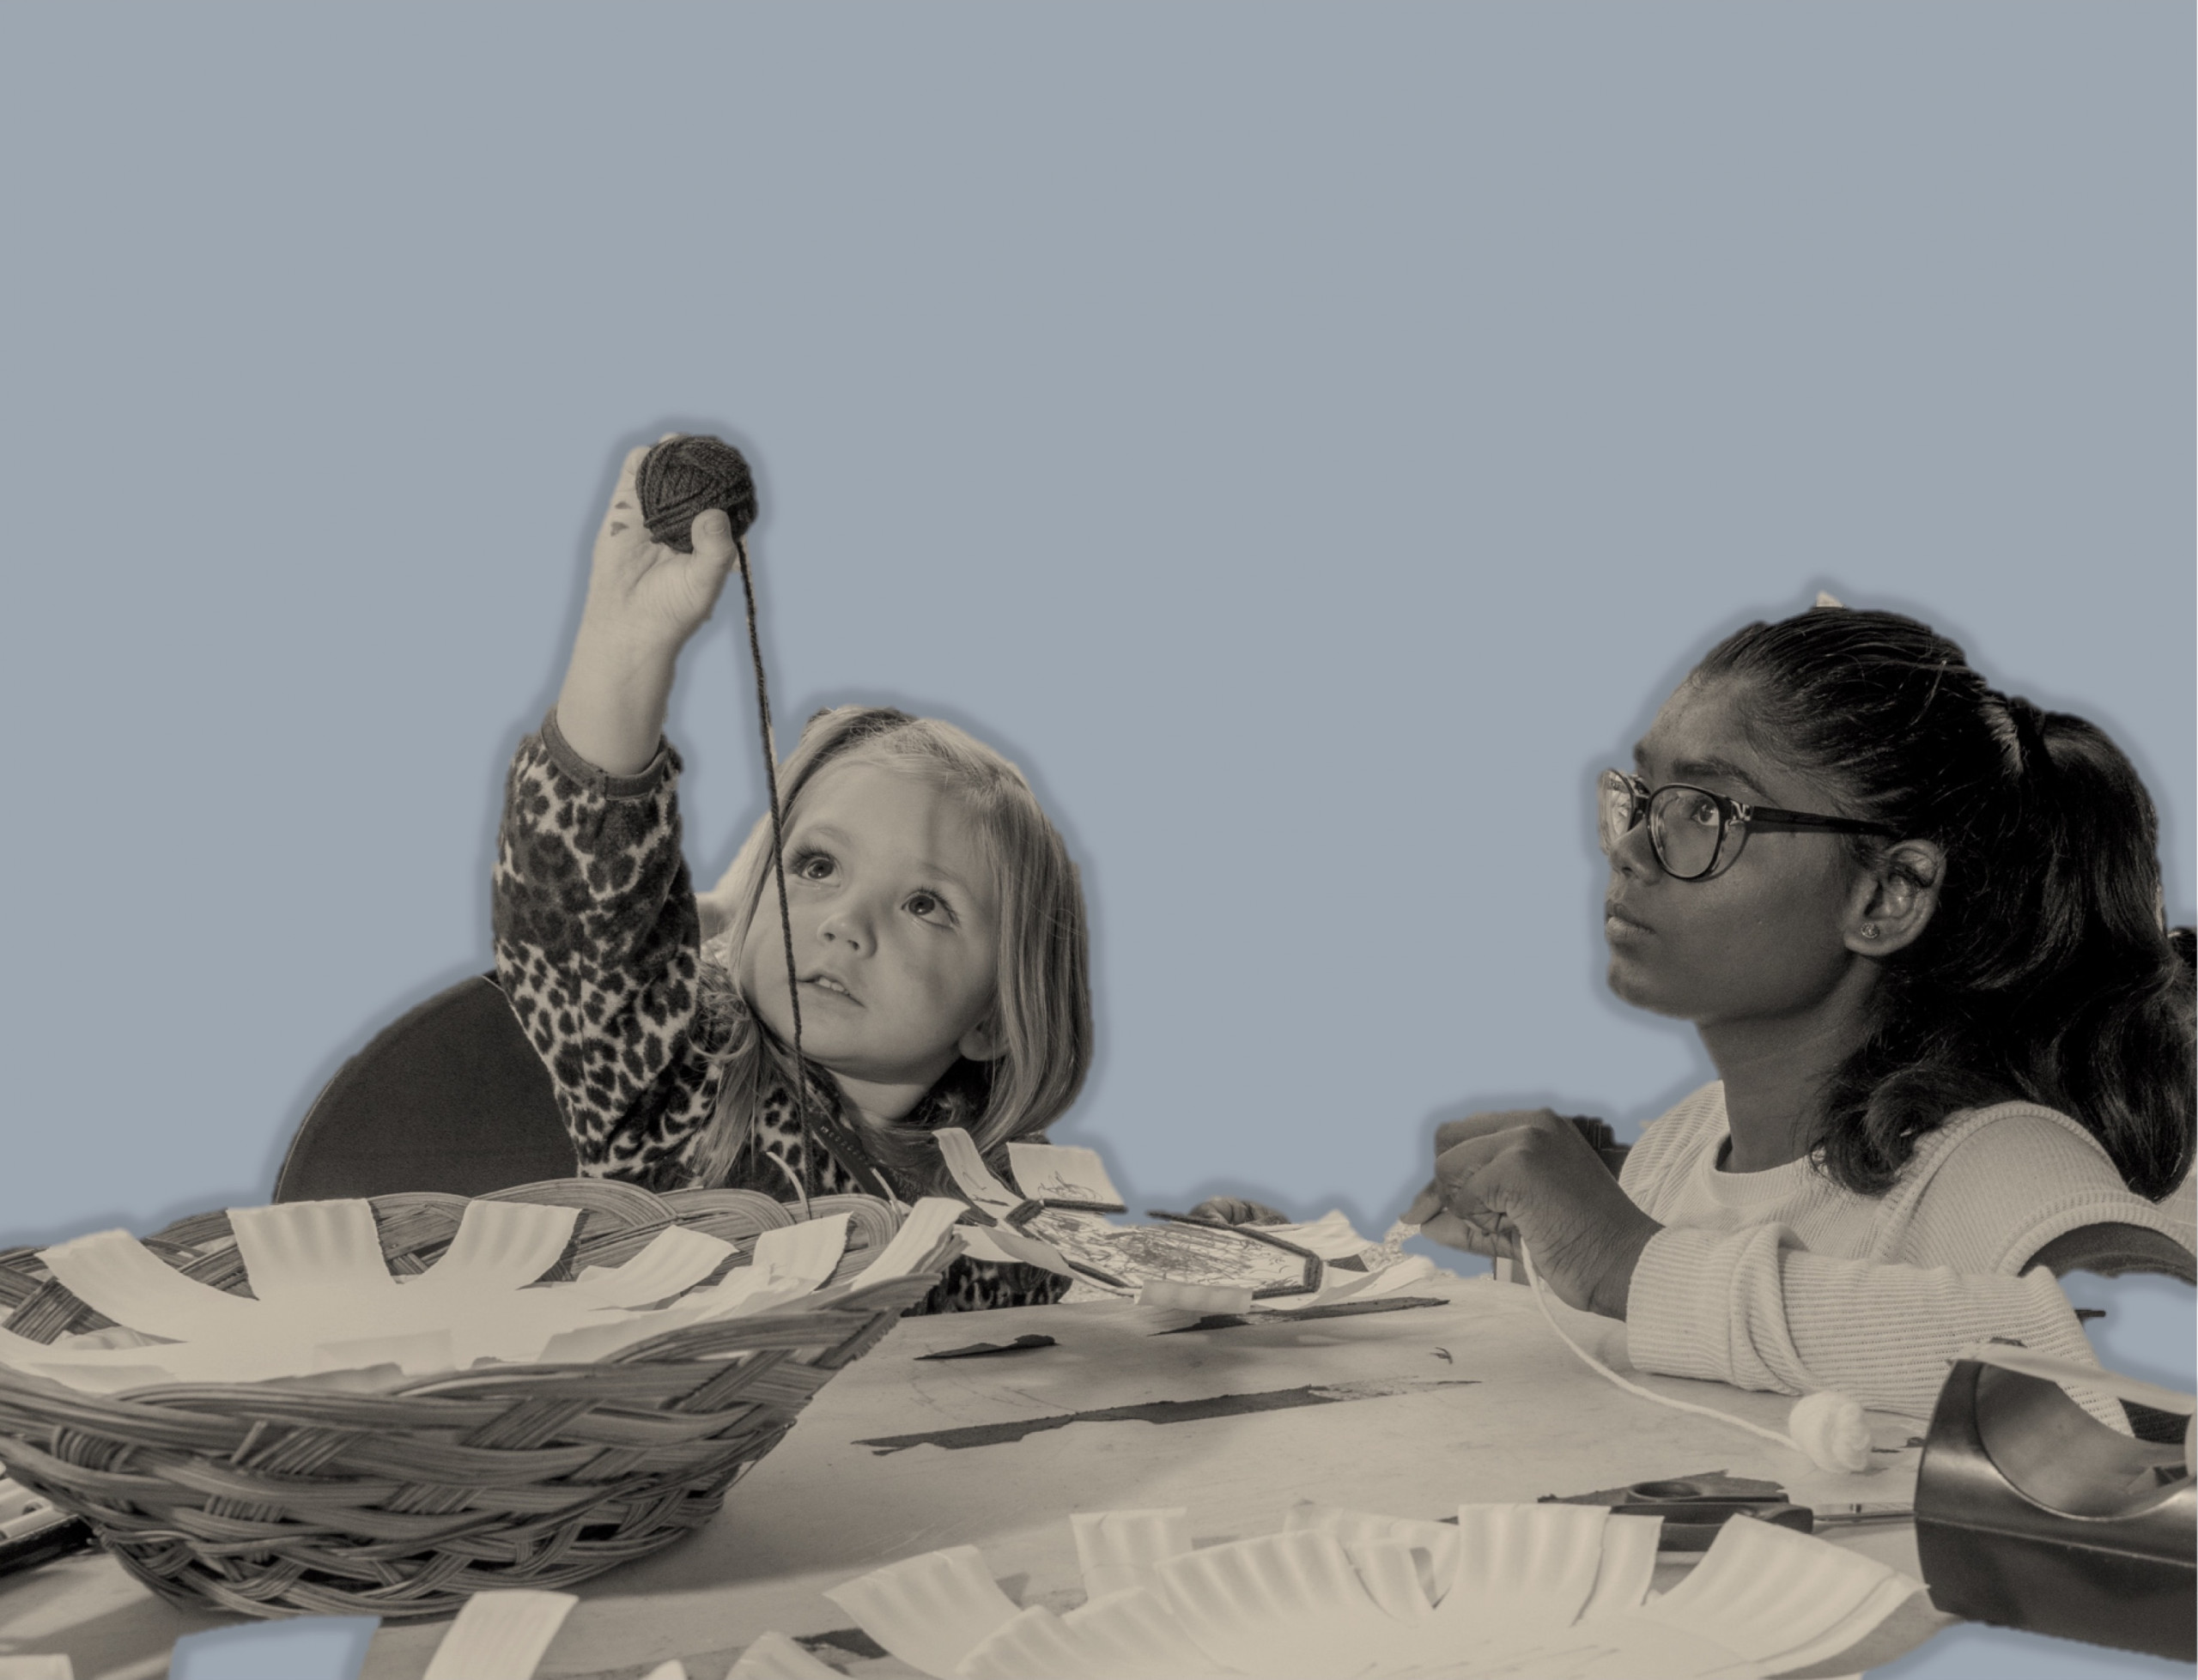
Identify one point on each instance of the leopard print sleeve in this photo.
(971, 1286)
(596, 938)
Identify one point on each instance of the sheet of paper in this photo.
(501, 1245)
(112, 1272)
(675, 1260)
(925, 1225)
(972, 1177)
(930, 1611)
(1117, 1551)
(317, 1250)
(1062, 1173)
(775, 1657)
(500, 1637)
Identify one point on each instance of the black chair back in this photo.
(450, 1096)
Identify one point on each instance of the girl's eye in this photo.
(926, 904)
(813, 866)
(1700, 810)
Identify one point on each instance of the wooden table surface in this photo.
(1409, 1412)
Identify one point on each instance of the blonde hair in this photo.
(1041, 1016)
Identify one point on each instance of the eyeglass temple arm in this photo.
(1759, 816)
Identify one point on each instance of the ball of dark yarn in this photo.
(681, 477)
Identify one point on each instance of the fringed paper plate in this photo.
(1550, 1591)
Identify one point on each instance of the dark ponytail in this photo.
(2046, 972)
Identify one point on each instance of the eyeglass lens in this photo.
(1685, 823)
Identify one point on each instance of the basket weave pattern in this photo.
(288, 1497)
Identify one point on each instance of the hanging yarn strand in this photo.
(779, 878)
(679, 478)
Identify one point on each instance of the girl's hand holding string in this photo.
(644, 600)
(1530, 1171)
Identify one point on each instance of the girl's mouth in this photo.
(1615, 919)
(828, 983)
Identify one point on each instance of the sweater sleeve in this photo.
(1751, 1309)
(596, 942)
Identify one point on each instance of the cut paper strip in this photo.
(1396, 1577)
(1135, 1636)
(1437, 1540)
(921, 1231)
(775, 1657)
(972, 1177)
(297, 1250)
(1118, 1551)
(1527, 1562)
(414, 1353)
(501, 1245)
(2070, 1375)
(805, 1252)
(675, 1260)
(1062, 1173)
(1006, 1247)
(500, 1637)
(1194, 1297)
(1034, 1642)
(1627, 1566)
(37, 1668)
(112, 1272)
(930, 1611)
(1281, 1604)
(1850, 1630)
(1764, 1591)
(1330, 1236)
(675, 1669)
(1412, 1269)
(789, 1262)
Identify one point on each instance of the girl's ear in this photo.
(1894, 902)
(985, 1041)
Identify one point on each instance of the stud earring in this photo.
(1869, 930)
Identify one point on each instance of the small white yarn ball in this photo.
(1829, 1427)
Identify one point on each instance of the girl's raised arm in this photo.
(644, 600)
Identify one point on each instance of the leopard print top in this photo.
(598, 948)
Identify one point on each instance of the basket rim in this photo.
(848, 1303)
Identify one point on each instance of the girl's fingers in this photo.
(624, 513)
(711, 535)
(1453, 1232)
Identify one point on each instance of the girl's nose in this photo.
(1633, 854)
(845, 931)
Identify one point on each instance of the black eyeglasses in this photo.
(1689, 828)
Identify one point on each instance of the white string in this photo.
(1534, 1282)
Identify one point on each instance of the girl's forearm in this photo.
(611, 707)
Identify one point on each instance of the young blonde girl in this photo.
(937, 925)
(1916, 923)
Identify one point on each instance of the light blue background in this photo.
(1310, 440)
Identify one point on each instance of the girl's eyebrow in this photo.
(1719, 769)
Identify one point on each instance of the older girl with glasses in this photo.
(1917, 924)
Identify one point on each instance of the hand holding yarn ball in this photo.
(669, 540)
(681, 477)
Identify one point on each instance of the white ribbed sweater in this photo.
(1784, 1281)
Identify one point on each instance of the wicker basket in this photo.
(289, 1497)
